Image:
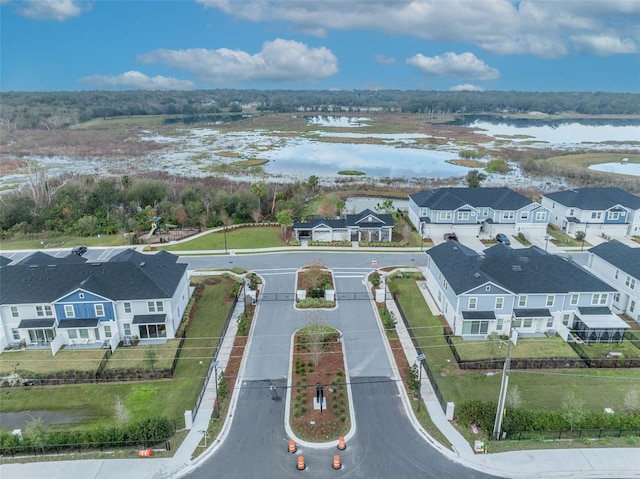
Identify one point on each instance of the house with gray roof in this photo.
(51, 302)
(364, 226)
(606, 212)
(478, 212)
(528, 290)
(619, 265)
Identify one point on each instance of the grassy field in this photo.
(28, 362)
(539, 389)
(240, 238)
(562, 239)
(168, 398)
(139, 357)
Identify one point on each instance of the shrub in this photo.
(243, 324)
(387, 317)
(315, 303)
(375, 279)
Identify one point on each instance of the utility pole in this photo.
(502, 399)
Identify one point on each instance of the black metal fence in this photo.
(87, 447)
(430, 375)
(348, 296)
(568, 434)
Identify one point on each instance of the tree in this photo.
(285, 218)
(386, 206)
(259, 190)
(151, 359)
(36, 432)
(316, 337)
(474, 178)
(573, 410)
(312, 183)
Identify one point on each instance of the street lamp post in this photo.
(546, 242)
(224, 232)
(419, 360)
(216, 408)
(421, 236)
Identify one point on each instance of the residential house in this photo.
(619, 265)
(607, 212)
(524, 289)
(479, 212)
(50, 302)
(364, 226)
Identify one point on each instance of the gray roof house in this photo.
(364, 226)
(528, 290)
(478, 212)
(607, 212)
(619, 265)
(50, 302)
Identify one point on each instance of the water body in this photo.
(632, 169)
(338, 121)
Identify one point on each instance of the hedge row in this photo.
(516, 419)
(147, 431)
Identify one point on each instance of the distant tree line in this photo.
(52, 110)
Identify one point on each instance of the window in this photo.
(630, 282)
(599, 298)
(84, 333)
(485, 212)
(522, 301)
(596, 215)
(550, 300)
(473, 302)
(524, 215)
(14, 312)
(127, 307)
(81, 295)
(107, 332)
(500, 324)
(565, 319)
(499, 302)
(68, 311)
(574, 298)
(616, 297)
(155, 306)
(613, 215)
(508, 215)
(127, 329)
(16, 334)
(617, 274)
(99, 309)
(152, 331)
(541, 215)
(632, 306)
(475, 327)
(463, 215)
(516, 323)
(445, 285)
(549, 322)
(571, 212)
(73, 333)
(445, 215)
(44, 310)
(528, 322)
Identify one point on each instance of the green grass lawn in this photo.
(526, 348)
(138, 357)
(544, 389)
(40, 361)
(240, 238)
(168, 398)
(46, 242)
(600, 351)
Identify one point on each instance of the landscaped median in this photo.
(538, 398)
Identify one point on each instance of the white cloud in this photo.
(58, 10)
(466, 87)
(465, 65)
(529, 27)
(385, 60)
(605, 45)
(135, 80)
(279, 61)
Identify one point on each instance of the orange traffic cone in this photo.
(145, 452)
(336, 462)
(292, 446)
(341, 445)
(301, 466)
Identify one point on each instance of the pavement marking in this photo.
(348, 276)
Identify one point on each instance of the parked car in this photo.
(79, 250)
(503, 238)
(450, 236)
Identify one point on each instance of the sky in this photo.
(534, 45)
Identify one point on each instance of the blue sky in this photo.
(551, 45)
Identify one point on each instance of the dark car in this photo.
(79, 250)
(450, 236)
(503, 238)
